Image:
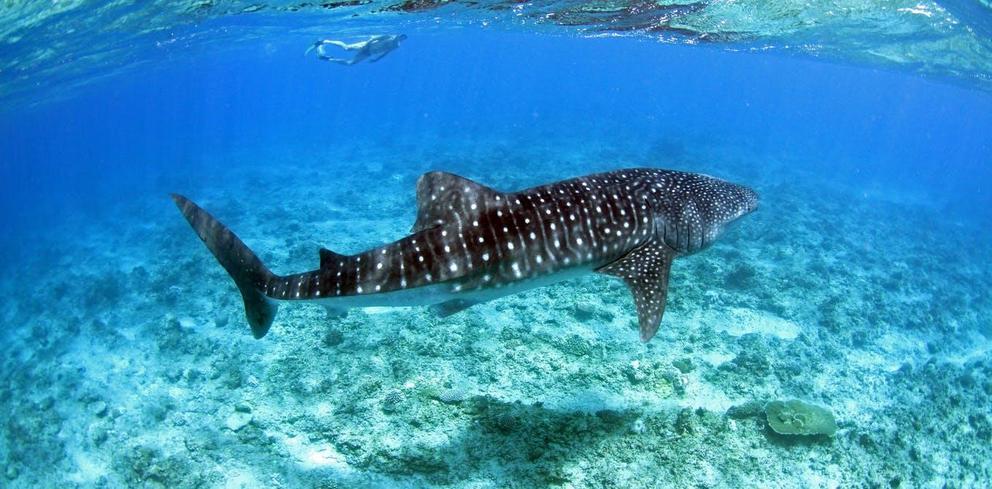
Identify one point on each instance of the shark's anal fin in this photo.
(440, 194)
(645, 271)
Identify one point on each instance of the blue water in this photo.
(873, 182)
(856, 125)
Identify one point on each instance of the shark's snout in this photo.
(750, 199)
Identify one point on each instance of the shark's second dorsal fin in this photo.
(645, 270)
(441, 194)
(330, 259)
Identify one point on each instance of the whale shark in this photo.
(471, 243)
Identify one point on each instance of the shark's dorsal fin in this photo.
(330, 259)
(441, 194)
(645, 271)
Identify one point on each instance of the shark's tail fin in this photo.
(248, 272)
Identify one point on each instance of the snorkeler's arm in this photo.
(340, 61)
(318, 45)
(344, 45)
(383, 55)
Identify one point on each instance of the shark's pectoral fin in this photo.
(441, 195)
(645, 271)
(453, 306)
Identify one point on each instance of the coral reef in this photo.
(799, 418)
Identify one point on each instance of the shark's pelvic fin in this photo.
(645, 271)
(454, 306)
(441, 195)
(335, 313)
(248, 272)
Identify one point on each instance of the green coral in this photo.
(799, 418)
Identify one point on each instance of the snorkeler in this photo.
(376, 48)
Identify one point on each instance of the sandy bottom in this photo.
(126, 360)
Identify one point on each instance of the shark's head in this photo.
(695, 209)
(742, 200)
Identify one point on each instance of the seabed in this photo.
(128, 362)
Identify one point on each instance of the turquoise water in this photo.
(860, 284)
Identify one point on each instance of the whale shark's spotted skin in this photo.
(471, 243)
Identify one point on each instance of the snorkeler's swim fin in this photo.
(248, 272)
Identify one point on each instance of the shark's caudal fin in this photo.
(248, 272)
